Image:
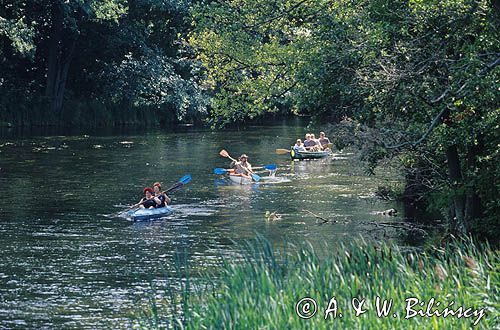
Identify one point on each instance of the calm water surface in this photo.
(67, 262)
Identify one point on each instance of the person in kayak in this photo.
(318, 146)
(310, 143)
(243, 167)
(161, 199)
(147, 202)
(299, 146)
(323, 139)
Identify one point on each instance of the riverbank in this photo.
(454, 286)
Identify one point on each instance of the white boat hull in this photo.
(240, 179)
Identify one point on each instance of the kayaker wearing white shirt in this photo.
(299, 146)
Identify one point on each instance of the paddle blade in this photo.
(224, 153)
(185, 179)
(255, 177)
(282, 151)
(271, 167)
(220, 170)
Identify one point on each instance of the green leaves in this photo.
(109, 10)
(21, 34)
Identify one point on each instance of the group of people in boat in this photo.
(153, 198)
(312, 144)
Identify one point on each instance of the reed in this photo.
(260, 289)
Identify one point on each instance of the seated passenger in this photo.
(161, 199)
(243, 167)
(147, 202)
(323, 139)
(309, 143)
(299, 146)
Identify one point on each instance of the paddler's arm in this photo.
(138, 203)
(167, 199)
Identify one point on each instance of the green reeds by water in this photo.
(261, 290)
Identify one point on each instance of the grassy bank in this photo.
(83, 113)
(261, 291)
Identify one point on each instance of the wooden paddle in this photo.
(225, 154)
(282, 151)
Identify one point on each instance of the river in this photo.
(68, 262)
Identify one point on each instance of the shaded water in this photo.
(67, 262)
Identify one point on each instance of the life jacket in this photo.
(162, 200)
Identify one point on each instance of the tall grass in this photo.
(261, 290)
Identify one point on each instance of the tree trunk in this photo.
(132, 9)
(473, 207)
(59, 59)
(458, 224)
(54, 50)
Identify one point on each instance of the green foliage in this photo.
(120, 50)
(20, 34)
(412, 75)
(261, 290)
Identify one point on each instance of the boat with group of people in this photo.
(310, 148)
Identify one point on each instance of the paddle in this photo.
(219, 170)
(182, 181)
(270, 167)
(225, 154)
(282, 151)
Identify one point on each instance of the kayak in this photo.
(239, 179)
(145, 214)
(294, 154)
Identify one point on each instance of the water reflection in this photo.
(67, 262)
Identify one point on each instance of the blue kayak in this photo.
(145, 214)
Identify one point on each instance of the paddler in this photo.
(161, 199)
(323, 139)
(243, 167)
(147, 202)
(299, 146)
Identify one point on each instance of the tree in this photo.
(421, 74)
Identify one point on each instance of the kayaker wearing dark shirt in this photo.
(311, 144)
(161, 199)
(147, 202)
(308, 143)
(323, 139)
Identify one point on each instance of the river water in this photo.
(67, 261)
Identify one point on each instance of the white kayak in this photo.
(238, 179)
